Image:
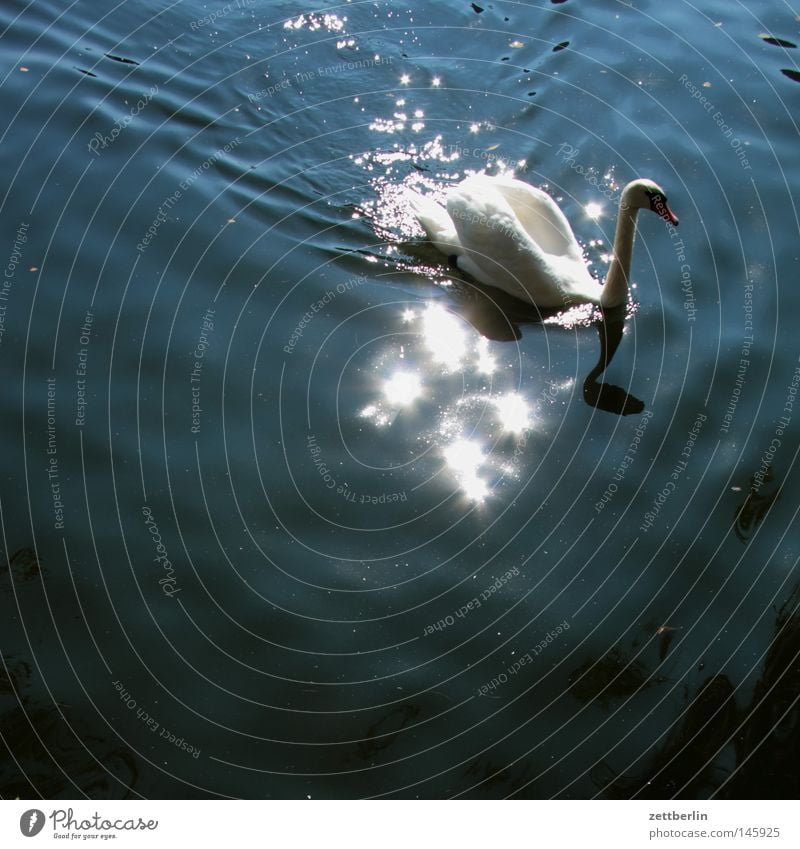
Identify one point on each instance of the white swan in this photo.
(508, 234)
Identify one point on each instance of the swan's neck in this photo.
(615, 289)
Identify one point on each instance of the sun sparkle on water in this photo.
(593, 210)
(444, 336)
(464, 458)
(513, 411)
(486, 362)
(402, 388)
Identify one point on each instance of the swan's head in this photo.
(645, 194)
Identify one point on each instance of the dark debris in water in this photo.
(15, 675)
(560, 46)
(777, 42)
(613, 676)
(477, 9)
(685, 767)
(764, 492)
(791, 73)
(665, 636)
(23, 566)
(120, 59)
(84, 71)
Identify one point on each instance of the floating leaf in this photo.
(791, 73)
(560, 46)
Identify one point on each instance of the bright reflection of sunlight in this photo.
(464, 457)
(444, 336)
(408, 315)
(514, 412)
(402, 388)
(486, 362)
(593, 210)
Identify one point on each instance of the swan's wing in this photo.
(499, 250)
(541, 217)
(436, 223)
(489, 230)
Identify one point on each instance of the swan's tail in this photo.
(436, 223)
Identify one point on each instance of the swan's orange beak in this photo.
(659, 205)
(668, 215)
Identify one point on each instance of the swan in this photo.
(508, 234)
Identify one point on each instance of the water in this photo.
(280, 522)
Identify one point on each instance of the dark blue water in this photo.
(280, 521)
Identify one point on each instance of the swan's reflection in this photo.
(606, 396)
(498, 316)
